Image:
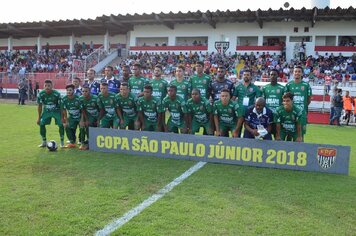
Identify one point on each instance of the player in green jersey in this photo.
(159, 85)
(178, 112)
(49, 106)
(109, 113)
(184, 87)
(90, 114)
(71, 109)
(228, 115)
(201, 80)
(137, 81)
(200, 114)
(149, 111)
(126, 102)
(288, 120)
(302, 95)
(246, 92)
(273, 94)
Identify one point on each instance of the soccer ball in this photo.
(52, 146)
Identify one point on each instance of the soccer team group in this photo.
(218, 107)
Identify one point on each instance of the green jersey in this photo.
(246, 95)
(159, 88)
(90, 105)
(50, 102)
(73, 106)
(184, 88)
(150, 108)
(202, 83)
(177, 108)
(273, 95)
(127, 105)
(200, 110)
(288, 120)
(136, 85)
(109, 105)
(301, 93)
(229, 113)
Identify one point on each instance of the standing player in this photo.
(201, 81)
(109, 113)
(71, 109)
(49, 106)
(126, 102)
(93, 85)
(200, 114)
(227, 115)
(90, 114)
(149, 111)
(125, 74)
(136, 81)
(302, 95)
(221, 83)
(184, 87)
(273, 94)
(288, 120)
(178, 112)
(159, 85)
(246, 92)
(113, 84)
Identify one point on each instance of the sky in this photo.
(47, 10)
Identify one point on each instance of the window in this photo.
(306, 29)
(295, 29)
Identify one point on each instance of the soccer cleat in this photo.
(62, 144)
(70, 145)
(43, 144)
(83, 147)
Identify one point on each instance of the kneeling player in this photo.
(178, 112)
(149, 111)
(71, 108)
(228, 115)
(200, 114)
(49, 107)
(90, 113)
(288, 120)
(126, 102)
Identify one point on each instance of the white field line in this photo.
(111, 227)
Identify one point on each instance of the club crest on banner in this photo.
(222, 46)
(326, 157)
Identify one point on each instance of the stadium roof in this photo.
(121, 24)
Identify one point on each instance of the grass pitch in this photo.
(72, 192)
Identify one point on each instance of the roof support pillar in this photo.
(71, 43)
(260, 40)
(9, 43)
(39, 45)
(106, 41)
